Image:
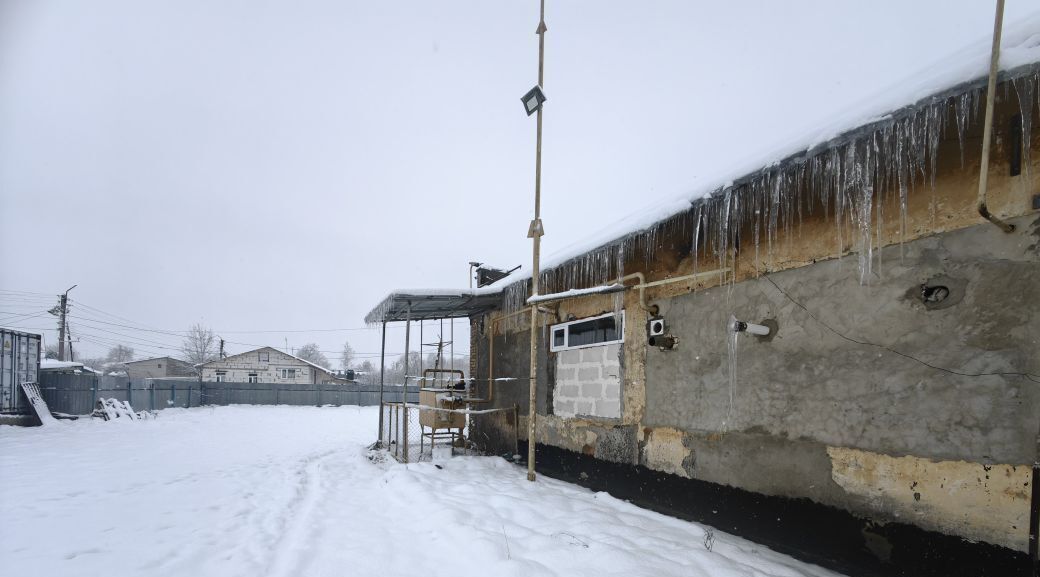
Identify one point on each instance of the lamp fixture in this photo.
(533, 100)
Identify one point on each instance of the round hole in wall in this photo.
(934, 294)
(657, 327)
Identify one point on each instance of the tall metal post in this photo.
(402, 441)
(382, 374)
(535, 233)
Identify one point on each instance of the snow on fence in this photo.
(77, 394)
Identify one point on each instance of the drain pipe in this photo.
(987, 127)
(643, 285)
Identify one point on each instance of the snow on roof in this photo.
(154, 359)
(424, 304)
(305, 361)
(960, 71)
(54, 364)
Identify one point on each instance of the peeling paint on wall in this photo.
(668, 450)
(981, 502)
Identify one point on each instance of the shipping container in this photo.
(19, 363)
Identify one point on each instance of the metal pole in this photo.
(987, 127)
(382, 373)
(402, 439)
(407, 353)
(535, 233)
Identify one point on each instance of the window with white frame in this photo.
(287, 373)
(588, 332)
(264, 356)
(254, 378)
(221, 376)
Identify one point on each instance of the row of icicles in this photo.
(850, 180)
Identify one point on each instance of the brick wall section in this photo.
(588, 382)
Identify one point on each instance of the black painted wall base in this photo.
(808, 531)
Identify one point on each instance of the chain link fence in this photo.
(408, 434)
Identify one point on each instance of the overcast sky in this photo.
(283, 165)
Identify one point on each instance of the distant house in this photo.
(267, 365)
(158, 367)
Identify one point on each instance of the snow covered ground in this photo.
(277, 491)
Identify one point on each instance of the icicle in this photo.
(934, 129)
(722, 238)
(698, 219)
(1024, 90)
(963, 109)
(731, 346)
(774, 212)
(902, 171)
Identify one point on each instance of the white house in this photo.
(266, 365)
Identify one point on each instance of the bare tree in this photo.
(200, 346)
(311, 353)
(348, 356)
(120, 354)
(367, 373)
(97, 364)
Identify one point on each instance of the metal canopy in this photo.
(433, 304)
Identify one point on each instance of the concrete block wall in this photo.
(588, 382)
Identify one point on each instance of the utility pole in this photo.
(535, 233)
(62, 327)
(68, 336)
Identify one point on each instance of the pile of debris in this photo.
(112, 409)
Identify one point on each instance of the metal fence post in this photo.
(405, 426)
(173, 394)
(93, 392)
(151, 396)
(129, 393)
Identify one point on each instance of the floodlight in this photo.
(533, 100)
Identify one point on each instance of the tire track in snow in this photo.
(285, 557)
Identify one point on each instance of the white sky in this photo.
(283, 165)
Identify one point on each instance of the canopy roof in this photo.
(427, 304)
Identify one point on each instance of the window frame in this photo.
(565, 327)
(253, 377)
(221, 376)
(263, 357)
(287, 373)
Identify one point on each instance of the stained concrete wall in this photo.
(838, 372)
(812, 381)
